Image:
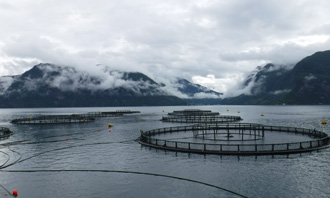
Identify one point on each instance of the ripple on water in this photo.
(302, 175)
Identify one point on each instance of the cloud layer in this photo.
(214, 43)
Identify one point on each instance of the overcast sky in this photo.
(214, 43)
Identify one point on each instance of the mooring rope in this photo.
(19, 160)
(20, 157)
(6, 190)
(127, 172)
(58, 149)
(7, 158)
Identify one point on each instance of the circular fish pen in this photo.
(70, 119)
(199, 116)
(201, 119)
(235, 139)
(5, 132)
(194, 112)
(55, 119)
(110, 113)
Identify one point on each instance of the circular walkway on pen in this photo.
(235, 139)
(70, 119)
(55, 119)
(199, 116)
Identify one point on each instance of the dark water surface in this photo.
(93, 161)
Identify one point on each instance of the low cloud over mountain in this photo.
(49, 85)
(308, 82)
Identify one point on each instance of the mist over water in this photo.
(91, 148)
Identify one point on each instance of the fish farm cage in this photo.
(5, 132)
(235, 139)
(110, 113)
(194, 112)
(70, 119)
(55, 119)
(199, 116)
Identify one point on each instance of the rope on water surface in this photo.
(62, 148)
(128, 172)
(7, 158)
(2, 167)
(20, 157)
(6, 190)
(5, 166)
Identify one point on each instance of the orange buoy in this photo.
(109, 125)
(15, 193)
(324, 122)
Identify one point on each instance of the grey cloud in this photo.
(310, 77)
(281, 91)
(5, 82)
(168, 38)
(287, 54)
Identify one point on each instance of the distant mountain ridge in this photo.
(49, 85)
(307, 83)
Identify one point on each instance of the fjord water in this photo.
(91, 147)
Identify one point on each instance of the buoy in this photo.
(238, 112)
(29, 118)
(324, 122)
(15, 193)
(109, 125)
(262, 114)
(109, 130)
(227, 109)
(98, 129)
(66, 139)
(163, 110)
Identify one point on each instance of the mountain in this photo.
(48, 85)
(307, 83)
(311, 80)
(195, 94)
(195, 90)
